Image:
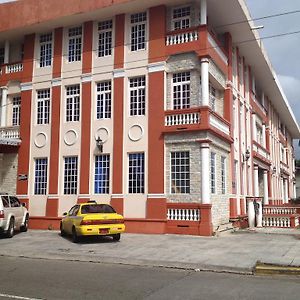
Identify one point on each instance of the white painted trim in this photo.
(117, 196)
(156, 196)
(118, 73)
(86, 78)
(218, 124)
(27, 86)
(217, 48)
(84, 195)
(156, 67)
(53, 196)
(56, 82)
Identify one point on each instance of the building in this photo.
(163, 108)
(297, 182)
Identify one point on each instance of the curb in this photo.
(273, 269)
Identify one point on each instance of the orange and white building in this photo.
(166, 109)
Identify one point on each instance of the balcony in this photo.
(182, 37)
(260, 152)
(10, 136)
(12, 71)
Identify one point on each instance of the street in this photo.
(24, 278)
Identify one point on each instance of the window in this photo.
(14, 201)
(223, 174)
(5, 201)
(43, 106)
(97, 209)
(138, 31)
(181, 90)
(75, 42)
(102, 174)
(16, 111)
(45, 50)
(212, 97)
(213, 172)
(136, 174)
(103, 100)
(181, 18)
(40, 176)
(137, 96)
(180, 172)
(259, 134)
(70, 175)
(104, 38)
(72, 103)
(2, 54)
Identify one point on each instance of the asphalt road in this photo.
(28, 279)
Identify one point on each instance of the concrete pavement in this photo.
(233, 252)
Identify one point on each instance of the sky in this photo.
(282, 51)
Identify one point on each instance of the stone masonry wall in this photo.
(8, 173)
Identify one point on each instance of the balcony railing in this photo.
(261, 151)
(182, 37)
(10, 136)
(11, 68)
(182, 119)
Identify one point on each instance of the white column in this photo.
(6, 52)
(286, 190)
(266, 192)
(256, 186)
(3, 107)
(282, 189)
(254, 127)
(203, 13)
(205, 81)
(264, 135)
(205, 171)
(251, 214)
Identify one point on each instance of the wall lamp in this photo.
(99, 144)
(274, 170)
(246, 156)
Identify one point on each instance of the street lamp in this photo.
(99, 144)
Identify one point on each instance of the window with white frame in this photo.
(104, 38)
(70, 175)
(72, 103)
(180, 172)
(45, 50)
(212, 97)
(181, 18)
(2, 54)
(136, 173)
(102, 164)
(16, 108)
(40, 176)
(259, 134)
(223, 174)
(138, 31)
(75, 44)
(213, 172)
(181, 90)
(103, 104)
(43, 106)
(137, 90)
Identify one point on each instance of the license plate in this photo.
(103, 230)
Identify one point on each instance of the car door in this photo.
(69, 219)
(16, 210)
(7, 210)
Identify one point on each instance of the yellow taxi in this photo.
(91, 218)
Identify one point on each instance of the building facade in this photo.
(158, 107)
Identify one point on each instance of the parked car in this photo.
(92, 219)
(13, 215)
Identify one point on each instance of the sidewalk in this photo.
(233, 252)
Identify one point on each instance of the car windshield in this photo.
(96, 209)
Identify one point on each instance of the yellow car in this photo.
(91, 218)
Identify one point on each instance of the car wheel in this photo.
(75, 238)
(24, 227)
(11, 228)
(117, 237)
(62, 232)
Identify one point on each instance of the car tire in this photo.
(75, 237)
(24, 227)
(11, 228)
(117, 237)
(62, 232)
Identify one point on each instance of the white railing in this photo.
(183, 214)
(276, 222)
(14, 68)
(280, 210)
(182, 119)
(9, 133)
(217, 123)
(181, 38)
(261, 151)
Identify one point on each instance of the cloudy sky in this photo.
(282, 51)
